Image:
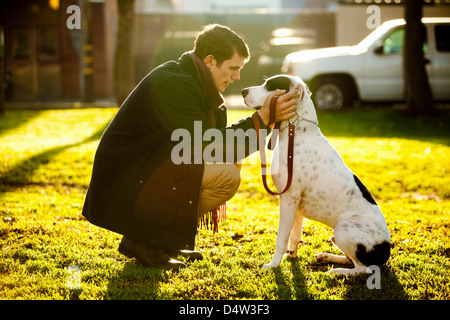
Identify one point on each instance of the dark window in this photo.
(442, 33)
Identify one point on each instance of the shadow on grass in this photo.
(13, 120)
(300, 288)
(135, 282)
(385, 123)
(390, 288)
(364, 286)
(20, 174)
(284, 290)
(357, 287)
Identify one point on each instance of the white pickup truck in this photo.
(372, 71)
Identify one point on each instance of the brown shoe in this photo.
(188, 254)
(148, 255)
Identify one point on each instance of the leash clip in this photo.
(291, 122)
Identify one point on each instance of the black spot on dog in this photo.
(279, 82)
(366, 193)
(377, 256)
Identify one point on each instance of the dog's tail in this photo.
(379, 254)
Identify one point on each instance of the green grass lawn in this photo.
(45, 164)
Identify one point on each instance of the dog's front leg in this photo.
(288, 209)
(296, 234)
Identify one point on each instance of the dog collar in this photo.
(296, 119)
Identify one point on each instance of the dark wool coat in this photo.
(136, 189)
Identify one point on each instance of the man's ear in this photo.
(209, 60)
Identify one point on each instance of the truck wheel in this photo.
(332, 94)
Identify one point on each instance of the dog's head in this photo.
(254, 97)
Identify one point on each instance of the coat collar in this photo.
(199, 69)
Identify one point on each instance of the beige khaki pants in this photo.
(220, 183)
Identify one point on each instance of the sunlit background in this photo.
(44, 62)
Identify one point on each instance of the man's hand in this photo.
(285, 107)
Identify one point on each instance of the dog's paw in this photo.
(343, 271)
(292, 254)
(270, 266)
(322, 257)
(332, 271)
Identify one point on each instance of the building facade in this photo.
(48, 60)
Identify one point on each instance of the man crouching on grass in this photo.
(136, 189)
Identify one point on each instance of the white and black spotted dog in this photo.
(323, 189)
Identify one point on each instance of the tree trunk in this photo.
(419, 99)
(2, 73)
(123, 64)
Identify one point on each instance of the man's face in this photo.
(227, 73)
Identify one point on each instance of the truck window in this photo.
(442, 33)
(393, 43)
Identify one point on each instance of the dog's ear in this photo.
(307, 91)
(301, 90)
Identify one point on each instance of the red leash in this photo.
(271, 146)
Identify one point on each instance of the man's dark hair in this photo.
(221, 42)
